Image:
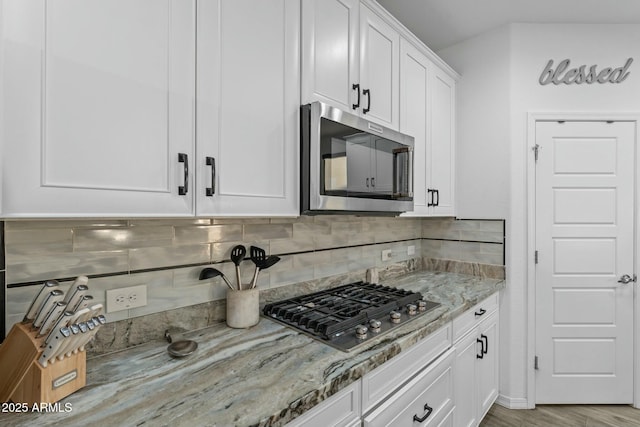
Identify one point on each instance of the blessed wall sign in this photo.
(562, 74)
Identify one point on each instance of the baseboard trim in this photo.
(512, 402)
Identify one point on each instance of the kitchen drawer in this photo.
(379, 383)
(342, 409)
(472, 317)
(431, 392)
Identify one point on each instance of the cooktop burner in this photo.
(349, 315)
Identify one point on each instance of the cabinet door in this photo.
(464, 379)
(248, 107)
(414, 118)
(379, 69)
(488, 366)
(330, 52)
(443, 142)
(98, 102)
(340, 410)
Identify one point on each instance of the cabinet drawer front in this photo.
(382, 381)
(425, 399)
(341, 409)
(469, 319)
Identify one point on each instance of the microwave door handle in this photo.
(407, 172)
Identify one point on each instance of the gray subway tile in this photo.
(284, 246)
(154, 222)
(497, 226)
(101, 239)
(208, 234)
(41, 267)
(42, 241)
(267, 231)
(144, 258)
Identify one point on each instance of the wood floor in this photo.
(563, 416)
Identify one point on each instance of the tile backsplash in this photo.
(168, 255)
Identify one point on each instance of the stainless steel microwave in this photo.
(349, 164)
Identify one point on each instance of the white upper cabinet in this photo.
(379, 69)
(350, 59)
(248, 103)
(427, 97)
(98, 107)
(442, 143)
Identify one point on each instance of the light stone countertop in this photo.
(263, 376)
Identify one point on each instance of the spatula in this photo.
(258, 256)
(263, 265)
(237, 255)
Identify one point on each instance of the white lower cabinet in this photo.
(475, 368)
(427, 399)
(340, 410)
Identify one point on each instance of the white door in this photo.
(414, 103)
(330, 57)
(584, 238)
(248, 96)
(379, 70)
(98, 105)
(442, 143)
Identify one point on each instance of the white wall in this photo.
(530, 46)
(482, 162)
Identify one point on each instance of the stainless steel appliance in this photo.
(349, 164)
(347, 316)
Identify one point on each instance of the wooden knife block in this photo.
(24, 380)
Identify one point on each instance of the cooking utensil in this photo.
(53, 297)
(78, 293)
(83, 302)
(209, 273)
(237, 255)
(52, 318)
(182, 348)
(53, 344)
(79, 283)
(79, 315)
(63, 321)
(62, 350)
(263, 265)
(42, 294)
(258, 256)
(77, 339)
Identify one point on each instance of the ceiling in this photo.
(443, 23)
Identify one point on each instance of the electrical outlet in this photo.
(386, 255)
(126, 298)
(411, 250)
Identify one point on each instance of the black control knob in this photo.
(375, 325)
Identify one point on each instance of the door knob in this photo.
(627, 279)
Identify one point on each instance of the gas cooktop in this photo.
(347, 316)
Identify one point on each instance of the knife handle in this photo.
(37, 301)
(63, 320)
(74, 295)
(81, 281)
(75, 330)
(52, 318)
(54, 296)
(52, 347)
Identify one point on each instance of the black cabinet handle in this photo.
(373, 181)
(482, 352)
(368, 93)
(430, 193)
(184, 189)
(367, 182)
(356, 87)
(429, 410)
(437, 193)
(210, 191)
(480, 312)
(485, 346)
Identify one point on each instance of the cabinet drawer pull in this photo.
(429, 410)
(210, 191)
(430, 192)
(480, 312)
(485, 346)
(437, 193)
(368, 93)
(367, 180)
(373, 182)
(482, 352)
(184, 159)
(356, 87)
